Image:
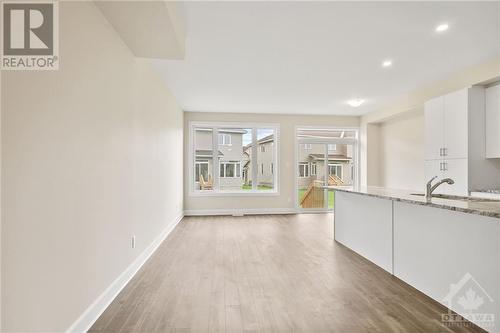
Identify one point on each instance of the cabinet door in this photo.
(434, 128)
(493, 122)
(434, 168)
(456, 127)
(456, 169)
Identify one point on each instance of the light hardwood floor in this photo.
(279, 273)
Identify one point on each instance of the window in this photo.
(229, 169)
(307, 146)
(335, 169)
(303, 169)
(313, 169)
(233, 158)
(332, 147)
(224, 139)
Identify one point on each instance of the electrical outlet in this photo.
(133, 242)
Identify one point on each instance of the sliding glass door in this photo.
(324, 157)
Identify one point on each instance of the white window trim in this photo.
(336, 165)
(306, 174)
(334, 146)
(235, 167)
(315, 169)
(224, 141)
(215, 126)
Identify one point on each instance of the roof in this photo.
(206, 153)
(321, 157)
(265, 139)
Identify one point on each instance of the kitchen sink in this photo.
(457, 197)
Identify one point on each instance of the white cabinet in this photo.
(434, 128)
(455, 111)
(455, 141)
(367, 231)
(434, 168)
(446, 126)
(435, 248)
(456, 169)
(493, 122)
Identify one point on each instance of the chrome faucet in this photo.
(431, 188)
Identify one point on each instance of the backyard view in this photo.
(245, 159)
(325, 157)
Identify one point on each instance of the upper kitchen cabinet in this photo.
(493, 121)
(434, 128)
(456, 114)
(446, 125)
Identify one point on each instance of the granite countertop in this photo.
(486, 208)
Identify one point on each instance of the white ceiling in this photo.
(310, 57)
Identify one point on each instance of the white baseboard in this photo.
(243, 211)
(88, 318)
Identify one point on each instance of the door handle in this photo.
(445, 166)
(441, 166)
(440, 151)
(445, 151)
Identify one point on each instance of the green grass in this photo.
(259, 187)
(331, 197)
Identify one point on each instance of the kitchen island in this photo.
(447, 249)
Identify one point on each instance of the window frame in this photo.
(224, 136)
(215, 127)
(306, 168)
(236, 169)
(313, 167)
(338, 166)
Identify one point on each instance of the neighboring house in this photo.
(312, 163)
(265, 162)
(230, 156)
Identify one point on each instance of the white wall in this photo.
(401, 152)
(91, 154)
(285, 199)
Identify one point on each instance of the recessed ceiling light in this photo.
(387, 63)
(355, 102)
(442, 27)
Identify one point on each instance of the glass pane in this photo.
(203, 148)
(340, 166)
(311, 170)
(235, 152)
(265, 157)
(229, 169)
